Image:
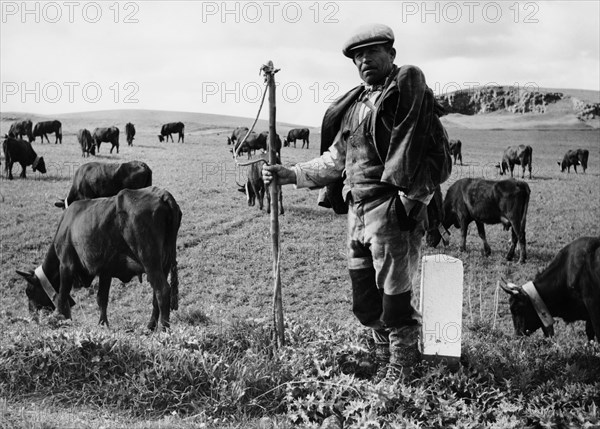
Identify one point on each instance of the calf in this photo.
(44, 128)
(129, 133)
(521, 155)
(122, 236)
(255, 187)
(20, 129)
(574, 158)
(16, 150)
(297, 134)
(485, 202)
(568, 288)
(97, 179)
(110, 135)
(456, 150)
(84, 137)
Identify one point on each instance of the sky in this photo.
(192, 56)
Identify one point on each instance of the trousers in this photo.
(383, 261)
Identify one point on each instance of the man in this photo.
(385, 141)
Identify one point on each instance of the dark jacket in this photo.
(418, 156)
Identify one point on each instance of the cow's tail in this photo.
(174, 286)
(523, 219)
(173, 223)
(6, 155)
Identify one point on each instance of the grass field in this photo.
(221, 332)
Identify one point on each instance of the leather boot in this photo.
(404, 352)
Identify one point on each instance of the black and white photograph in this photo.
(299, 214)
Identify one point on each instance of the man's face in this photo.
(374, 63)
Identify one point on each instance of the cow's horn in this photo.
(26, 274)
(508, 287)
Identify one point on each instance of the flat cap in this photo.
(367, 35)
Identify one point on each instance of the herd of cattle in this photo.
(140, 223)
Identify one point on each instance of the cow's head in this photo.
(161, 138)
(247, 189)
(36, 295)
(525, 318)
(39, 164)
(38, 299)
(286, 143)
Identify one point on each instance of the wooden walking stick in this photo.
(274, 190)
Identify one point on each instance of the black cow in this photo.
(569, 288)
(168, 129)
(110, 135)
(17, 150)
(574, 158)
(251, 143)
(456, 150)
(521, 155)
(129, 133)
(485, 202)
(297, 134)
(255, 187)
(123, 236)
(237, 135)
(20, 129)
(84, 137)
(98, 179)
(44, 128)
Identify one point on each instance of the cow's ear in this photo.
(28, 275)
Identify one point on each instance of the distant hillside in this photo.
(513, 107)
(143, 119)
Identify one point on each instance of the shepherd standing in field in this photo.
(384, 151)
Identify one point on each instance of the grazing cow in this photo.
(110, 135)
(251, 143)
(123, 236)
(568, 288)
(168, 129)
(456, 150)
(44, 128)
(297, 134)
(521, 155)
(20, 129)
(98, 179)
(485, 202)
(84, 137)
(237, 134)
(255, 187)
(574, 158)
(129, 133)
(17, 150)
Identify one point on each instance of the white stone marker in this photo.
(441, 308)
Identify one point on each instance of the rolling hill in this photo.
(490, 108)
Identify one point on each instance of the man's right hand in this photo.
(284, 175)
